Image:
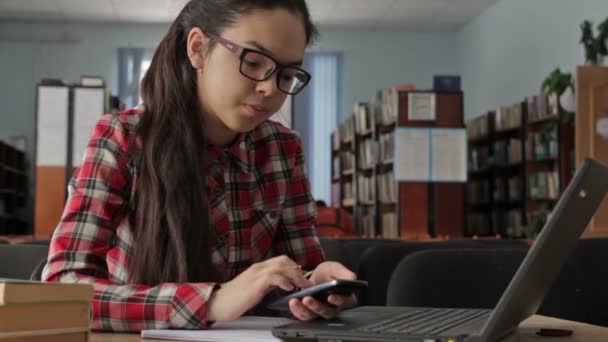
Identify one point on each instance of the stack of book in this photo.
(50, 312)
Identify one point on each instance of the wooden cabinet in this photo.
(592, 130)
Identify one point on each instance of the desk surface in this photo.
(526, 332)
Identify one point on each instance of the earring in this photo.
(200, 71)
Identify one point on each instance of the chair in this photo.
(348, 251)
(591, 259)
(37, 272)
(477, 278)
(44, 242)
(453, 278)
(377, 263)
(20, 260)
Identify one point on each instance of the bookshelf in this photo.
(519, 162)
(365, 161)
(382, 206)
(13, 190)
(343, 167)
(495, 202)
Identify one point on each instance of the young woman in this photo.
(194, 208)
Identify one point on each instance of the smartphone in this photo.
(320, 292)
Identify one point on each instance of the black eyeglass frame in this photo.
(241, 52)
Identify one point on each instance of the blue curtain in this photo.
(130, 61)
(324, 108)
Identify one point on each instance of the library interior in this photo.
(426, 146)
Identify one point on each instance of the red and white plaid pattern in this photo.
(260, 206)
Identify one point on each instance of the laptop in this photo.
(520, 300)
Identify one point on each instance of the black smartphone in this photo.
(320, 292)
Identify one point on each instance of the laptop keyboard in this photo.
(425, 321)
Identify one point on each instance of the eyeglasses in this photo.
(259, 66)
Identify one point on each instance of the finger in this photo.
(319, 308)
(339, 271)
(335, 270)
(293, 273)
(342, 301)
(278, 280)
(300, 311)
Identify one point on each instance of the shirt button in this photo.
(273, 214)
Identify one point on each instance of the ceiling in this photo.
(417, 15)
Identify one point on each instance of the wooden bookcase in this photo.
(425, 209)
(591, 130)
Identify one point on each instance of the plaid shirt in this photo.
(259, 202)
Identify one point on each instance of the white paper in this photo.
(88, 108)
(449, 155)
(421, 106)
(52, 126)
(246, 329)
(412, 154)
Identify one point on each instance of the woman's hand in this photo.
(309, 308)
(242, 293)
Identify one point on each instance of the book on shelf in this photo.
(508, 117)
(386, 146)
(335, 195)
(348, 162)
(336, 168)
(387, 188)
(366, 190)
(364, 120)
(368, 154)
(390, 227)
(542, 107)
(346, 131)
(507, 152)
(542, 145)
(543, 185)
(478, 128)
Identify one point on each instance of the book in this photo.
(14, 291)
(41, 316)
(60, 335)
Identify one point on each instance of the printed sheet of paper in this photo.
(448, 155)
(412, 154)
(422, 106)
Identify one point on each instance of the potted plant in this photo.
(596, 48)
(561, 84)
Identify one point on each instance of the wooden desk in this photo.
(526, 332)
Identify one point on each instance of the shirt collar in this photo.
(238, 152)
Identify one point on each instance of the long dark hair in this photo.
(172, 230)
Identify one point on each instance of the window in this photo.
(316, 112)
(132, 66)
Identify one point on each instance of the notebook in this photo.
(246, 329)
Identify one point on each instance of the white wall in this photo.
(380, 59)
(508, 50)
(30, 51)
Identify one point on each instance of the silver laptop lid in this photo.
(548, 254)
